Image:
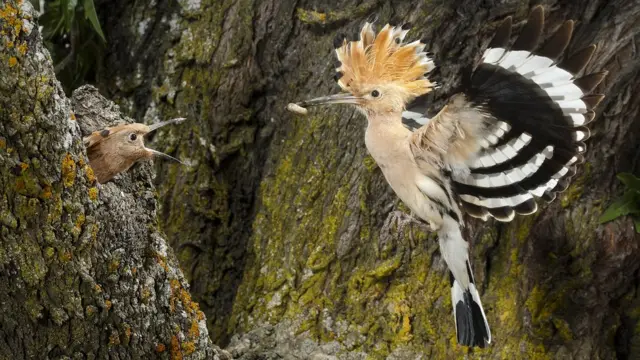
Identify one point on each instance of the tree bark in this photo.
(283, 224)
(84, 271)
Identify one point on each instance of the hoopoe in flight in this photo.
(115, 149)
(512, 134)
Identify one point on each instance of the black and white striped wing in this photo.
(541, 107)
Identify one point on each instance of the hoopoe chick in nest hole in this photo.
(512, 135)
(115, 149)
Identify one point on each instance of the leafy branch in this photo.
(628, 204)
(73, 35)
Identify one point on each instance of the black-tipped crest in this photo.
(104, 133)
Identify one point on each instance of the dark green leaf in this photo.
(633, 199)
(620, 207)
(68, 8)
(71, 5)
(630, 180)
(90, 13)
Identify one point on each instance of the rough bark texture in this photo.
(281, 222)
(84, 271)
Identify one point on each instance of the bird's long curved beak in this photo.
(342, 98)
(157, 126)
(161, 154)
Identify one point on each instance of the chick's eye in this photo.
(375, 93)
(133, 137)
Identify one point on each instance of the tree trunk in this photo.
(282, 222)
(84, 271)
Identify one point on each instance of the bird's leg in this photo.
(402, 220)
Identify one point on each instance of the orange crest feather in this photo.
(384, 58)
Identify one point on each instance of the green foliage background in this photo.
(74, 37)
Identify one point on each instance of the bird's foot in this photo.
(403, 220)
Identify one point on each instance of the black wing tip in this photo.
(589, 82)
(592, 101)
(530, 35)
(502, 214)
(557, 44)
(578, 60)
(502, 34)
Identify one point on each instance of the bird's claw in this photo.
(402, 220)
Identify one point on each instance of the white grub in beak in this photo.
(295, 108)
(343, 98)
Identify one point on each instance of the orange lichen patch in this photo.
(13, 61)
(3, 143)
(81, 162)
(65, 256)
(93, 193)
(127, 333)
(188, 347)
(20, 185)
(22, 48)
(9, 13)
(160, 348)
(176, 353)
(178, 292)
(194, 330)
(79, 222)
(68, 170)
(73, 116)
(113, 266)
(91, 176)
(108, 304)
(173, 299)
(146, 295)
(97, 288)
(94, 231)
(134, 270)
(46, 192)
(24, 166)
(161, 260)
(114, 338)
(191, 306)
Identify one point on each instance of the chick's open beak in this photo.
(161, 154)
(155, 127)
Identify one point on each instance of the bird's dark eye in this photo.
(133, 137)
(375, 93)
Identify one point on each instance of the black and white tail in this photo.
(472, 328)
(541, 105)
